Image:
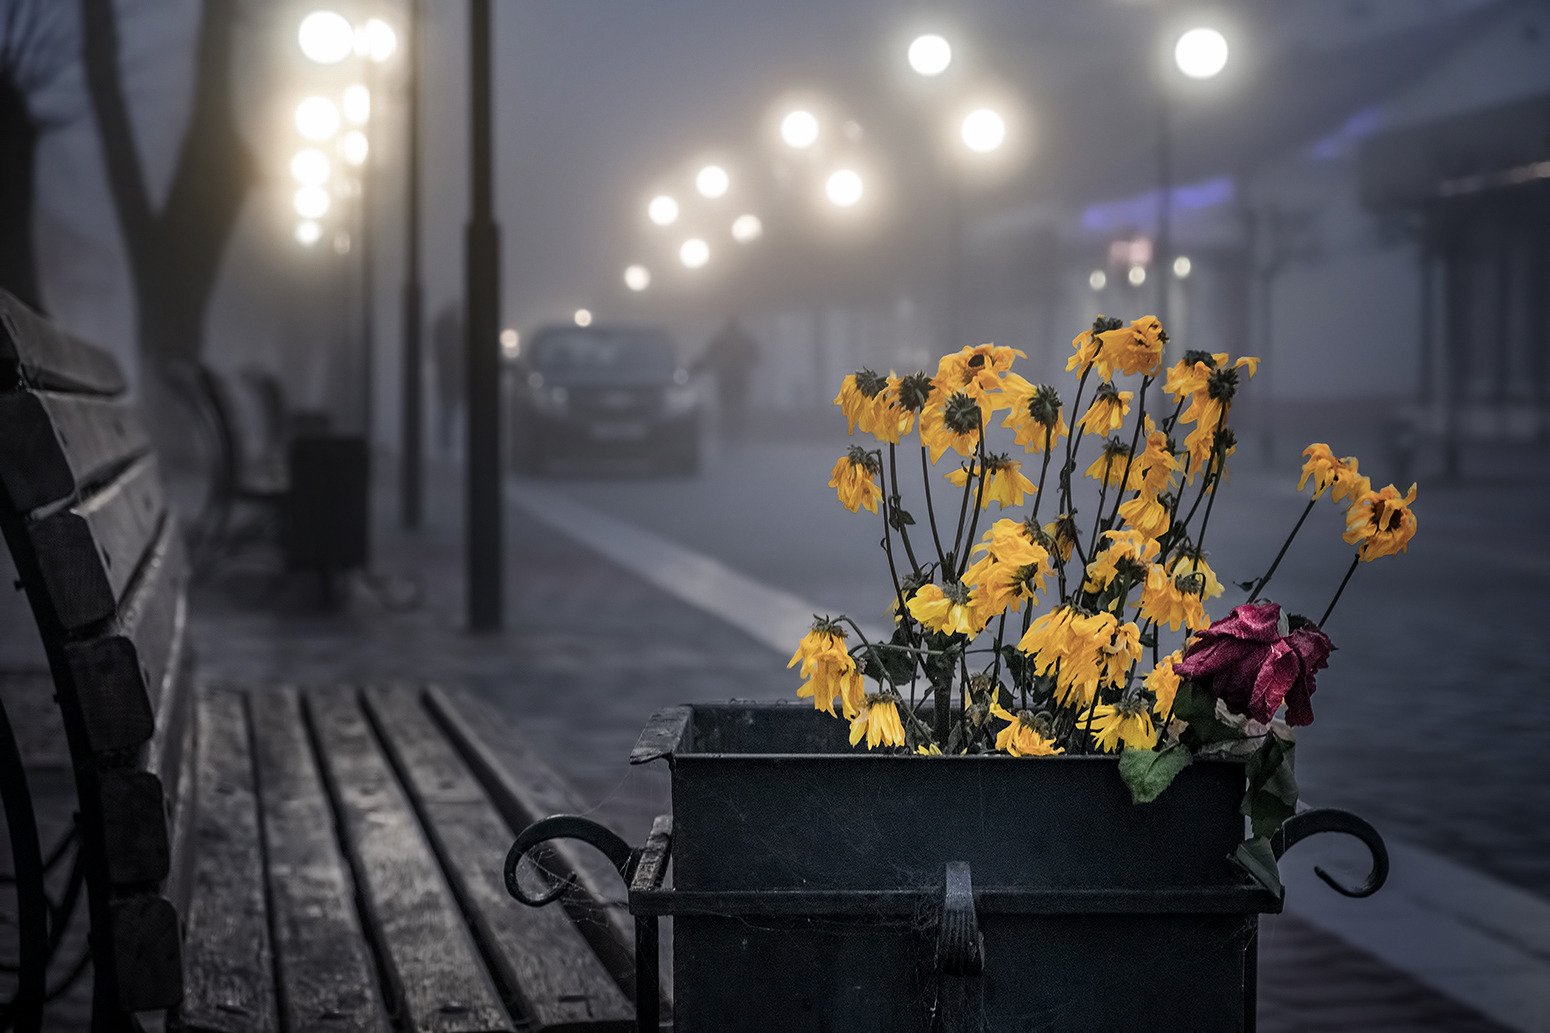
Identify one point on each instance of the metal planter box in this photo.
(817, 886)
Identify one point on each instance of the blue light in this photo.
(1141, 210)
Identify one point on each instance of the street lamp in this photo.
(747, 228)
(326, 37)
(637, 278)
(983, 130)
(712, 181)
(1201, 53)
(930, 54)
(694, 253)
(799, 129)
(317, 118)
(662, 210)
(843, 188)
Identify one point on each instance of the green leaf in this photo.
(1271, 796)
(1256, 857)
(898, 517)
(1197, 707)
(1149, 772)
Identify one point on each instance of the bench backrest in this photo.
(100, 556)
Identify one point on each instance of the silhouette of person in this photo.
(730, 357)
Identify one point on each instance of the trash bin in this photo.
(326, 515)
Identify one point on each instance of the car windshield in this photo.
(604, 351)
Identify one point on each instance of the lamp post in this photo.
(411, 442)
(1199, 54)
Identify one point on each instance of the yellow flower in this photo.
(828, 668)
(931, 749)
(1062, 531)
(947, 611)
(1120, 652)
(884, 416)
(1193, 562)
(1146, 514)
(1107, 412)
(1037, 414)
(1013, 568)
(1128, 545)
(1086, 345)
(1127, 721)
(1109, 467)
(1152, 472)
(854, 479)
(1163, 683)
(1136, 348)
(1322, 466)
(1007, 485)
(1380, 523)
(977, 371)
(953, 421)
(1070, 643)
(878, 719)
(1170, 599)
(1019, 738)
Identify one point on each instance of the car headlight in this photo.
(678, 400)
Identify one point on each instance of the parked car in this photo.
(604, 392)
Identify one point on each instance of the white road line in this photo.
(1463, 933)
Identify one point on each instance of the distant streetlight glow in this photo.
(326, 37)
(1182, 266)
(354, 147)
(376, 40)
(1201, 53)
(983, 130)
(930, 54)
(308, 232)
(317, 118)
(1097, 279)
(663, 210)
(712, 181)
(1137, 275)
(511, 343)
(356, 104)
(694, 253)
(312, 202)
(583, 317)
(310, 167)
(747, 228)
(843, 188)
(637, 278)
(799, 129)
(341, 242)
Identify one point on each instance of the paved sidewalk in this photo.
(590, 651)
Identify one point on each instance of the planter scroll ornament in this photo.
(1023, 810)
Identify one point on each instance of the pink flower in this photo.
(1244, 661)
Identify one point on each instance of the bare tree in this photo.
(34, 48)
(174, 249)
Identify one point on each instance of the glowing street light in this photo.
(637, 278)
(356, 104)
(843, 188)
(511, 343)
(308, 232)
(317, 118)
(310, 167)
(983, 130)
(583, 317)
(712, 181)
(747, 228)
(1097, 279)
(326, 37)
(376, 40)
(1137, 275)
(1182, 266)
(312, 202)
(799, 129)
(1201, 53)
(694, 253)
(663, 210)
(930, 54)
(354, 147)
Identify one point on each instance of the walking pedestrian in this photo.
(730, 357)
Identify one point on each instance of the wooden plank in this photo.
(324, 966)
(88, 553)
(46, 356)
(525, 789)
(120, 676)
(537, 953)
(439, 981)
(57, 444)
(228, 970)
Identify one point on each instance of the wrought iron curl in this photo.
(566, 826)
(1331, 819)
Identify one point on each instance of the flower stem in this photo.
(1331, 609)
(904, 533)
(1135, 440)
(1043, 469)
(979, 501)
(1259, 586)
(925, 476)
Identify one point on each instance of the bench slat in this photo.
(525, 789)
(121, 675)
(49, 357)
(63, 443)
(88, 553)
(433, 964)
(229, 975)
(538, 953)
(326, 974)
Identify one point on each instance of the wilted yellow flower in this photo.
(1086, 345)
(828, 668)
(977, 371)
(1006, 485)
(855, 480)
(1163, 683)
(1120, 652)
(1172, 600)
(878, 719)
(1132, 349)
(947, 611)
(1380, 523)
(1127, 721)
(953, 421)
(1152, 472)
(1107, 412)
(1037, 414)
(1122, 545)
(1073, 641)
(1146, 514)
(884, 416)
(1014, 568)
(850, 400)
(1109, 468)
(1019, 738)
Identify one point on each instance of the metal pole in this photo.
(368, 284)
(482, 305)
(411, 448)
(1163, 249)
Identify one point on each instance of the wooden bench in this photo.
(260, 858)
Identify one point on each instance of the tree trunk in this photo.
(18, 168)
